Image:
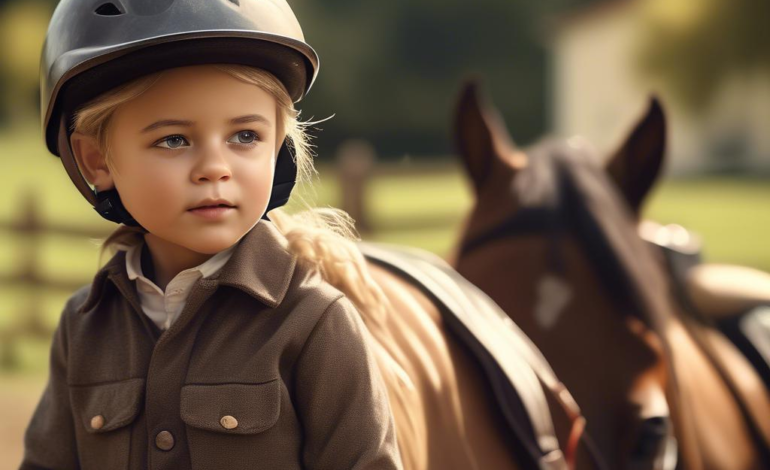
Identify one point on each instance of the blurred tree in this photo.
(390, 70)
(692, 46)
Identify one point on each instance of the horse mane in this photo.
(584, 201)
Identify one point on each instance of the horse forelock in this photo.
(606, 229)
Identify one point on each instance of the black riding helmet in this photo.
(93, 46)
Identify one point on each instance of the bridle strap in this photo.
(527, 221)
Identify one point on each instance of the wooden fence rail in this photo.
(30, 227)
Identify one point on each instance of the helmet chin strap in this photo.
(284, 178)
(109, 205)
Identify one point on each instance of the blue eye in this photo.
(244, 137)
(172, 142)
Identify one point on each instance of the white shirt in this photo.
(163, 308)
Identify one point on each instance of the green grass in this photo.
(730, 214)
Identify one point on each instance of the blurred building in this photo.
(598, 94)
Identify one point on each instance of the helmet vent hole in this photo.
(108, 9)
(235, 2)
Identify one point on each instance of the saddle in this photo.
(721, 291)
(736, 299)
(514, 367)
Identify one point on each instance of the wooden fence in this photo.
(29, 228)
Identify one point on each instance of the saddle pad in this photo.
(512, 364)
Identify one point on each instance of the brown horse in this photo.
(555, 245)
(708, 299)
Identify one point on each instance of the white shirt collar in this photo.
(206, 269)
(163, 308)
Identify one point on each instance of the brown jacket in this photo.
(267, 367)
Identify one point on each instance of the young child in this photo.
(212, 338)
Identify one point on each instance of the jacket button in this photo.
(97, 422)
(164, 440)
(228, 422)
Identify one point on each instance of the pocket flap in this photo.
(107, 406)
(232, 408)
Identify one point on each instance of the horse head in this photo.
(551, 241)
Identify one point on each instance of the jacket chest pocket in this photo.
(103, 414)
(232, 425)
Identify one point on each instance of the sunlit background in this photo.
(390, 73)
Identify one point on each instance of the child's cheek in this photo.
(154, 194)
(255, 184)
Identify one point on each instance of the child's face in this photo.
(222, 145)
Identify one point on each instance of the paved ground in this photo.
(19, 395)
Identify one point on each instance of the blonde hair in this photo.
(322, 237)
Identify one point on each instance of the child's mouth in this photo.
(212, 212)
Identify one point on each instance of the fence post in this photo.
(355, 161)
(29, 226)
(9, 357)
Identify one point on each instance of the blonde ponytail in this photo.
(323, 238)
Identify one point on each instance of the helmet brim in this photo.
(293, 62)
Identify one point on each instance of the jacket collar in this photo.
(260, 266)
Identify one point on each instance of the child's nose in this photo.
(211, 166)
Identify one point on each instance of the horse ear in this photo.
(636, 165)
(481, 138)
